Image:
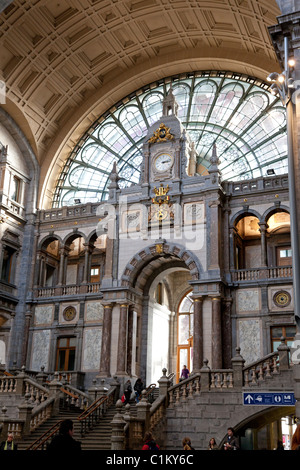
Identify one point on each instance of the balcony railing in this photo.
(255, 274)
(71, 289)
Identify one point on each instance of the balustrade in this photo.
(254, 274)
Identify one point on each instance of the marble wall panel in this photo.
(43, 314)
(40, 349)
(249, 339)
(248, 300)
(92, 348)
(94, 312)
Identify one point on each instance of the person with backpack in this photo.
(149, 442)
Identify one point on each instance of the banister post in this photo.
(41, 376)
(20, 381)
(143, 410)
(118, 433)
(284, 356)
(54, 391)
(237, 365)
(4, 423)
(164, 383)
(25, 413)
(205, 376)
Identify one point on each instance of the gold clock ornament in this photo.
(69, 313)
(162, 134)
(282, 298)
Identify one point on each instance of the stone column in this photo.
(198, 335)
(37, 269)
(41, 272)
(263, 241)
(213, 234)
(122, 344)
(232, 249)
(129, 340)
(62, 254)
(106, 342)
(216, 333)
(87, 261)
(227, 333)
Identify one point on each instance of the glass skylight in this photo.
(235, 112)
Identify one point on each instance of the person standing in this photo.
(138, 387)
(184, 373)
(186, 443)
(9, 443)
(149, 442)
(212, 445)
(295, 444)
(232, 442)
(127, 391)
(64, 440)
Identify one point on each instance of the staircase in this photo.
(99, 438)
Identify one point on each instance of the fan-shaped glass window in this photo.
(235, 112)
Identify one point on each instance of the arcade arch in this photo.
(262, 241)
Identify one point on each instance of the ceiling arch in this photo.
(66, 62)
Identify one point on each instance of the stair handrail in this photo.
(149, 390)
(93, 413)
(40, 441)
(78, 397)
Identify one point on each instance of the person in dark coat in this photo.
(127, 391)
(138, 387)
(64, 440)
(232, 441)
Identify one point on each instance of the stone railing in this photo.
(34, 401)
(254, 274)
(128, 430)
(71, 289)
(255, 185)
(71, 396)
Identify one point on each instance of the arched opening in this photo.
(185, 329)
(75, 260)
(266, 429)
(161, 279)
(49, 261)
(163, 324)
(279, 239)
(247, 243)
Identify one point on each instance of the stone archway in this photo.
(140, 275)
(159, 253)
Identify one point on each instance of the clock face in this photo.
(163, 162)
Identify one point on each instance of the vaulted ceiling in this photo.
(64, 62)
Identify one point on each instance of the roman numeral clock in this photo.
(162, 154)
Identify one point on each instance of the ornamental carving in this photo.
(162, 134)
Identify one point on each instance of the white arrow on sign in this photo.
(249, 398)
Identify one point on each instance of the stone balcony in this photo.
(67, 290)
(277, 273)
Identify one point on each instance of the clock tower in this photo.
(168, 152)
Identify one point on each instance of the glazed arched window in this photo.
(233, 111)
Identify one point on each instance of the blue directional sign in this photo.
(270, 398)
